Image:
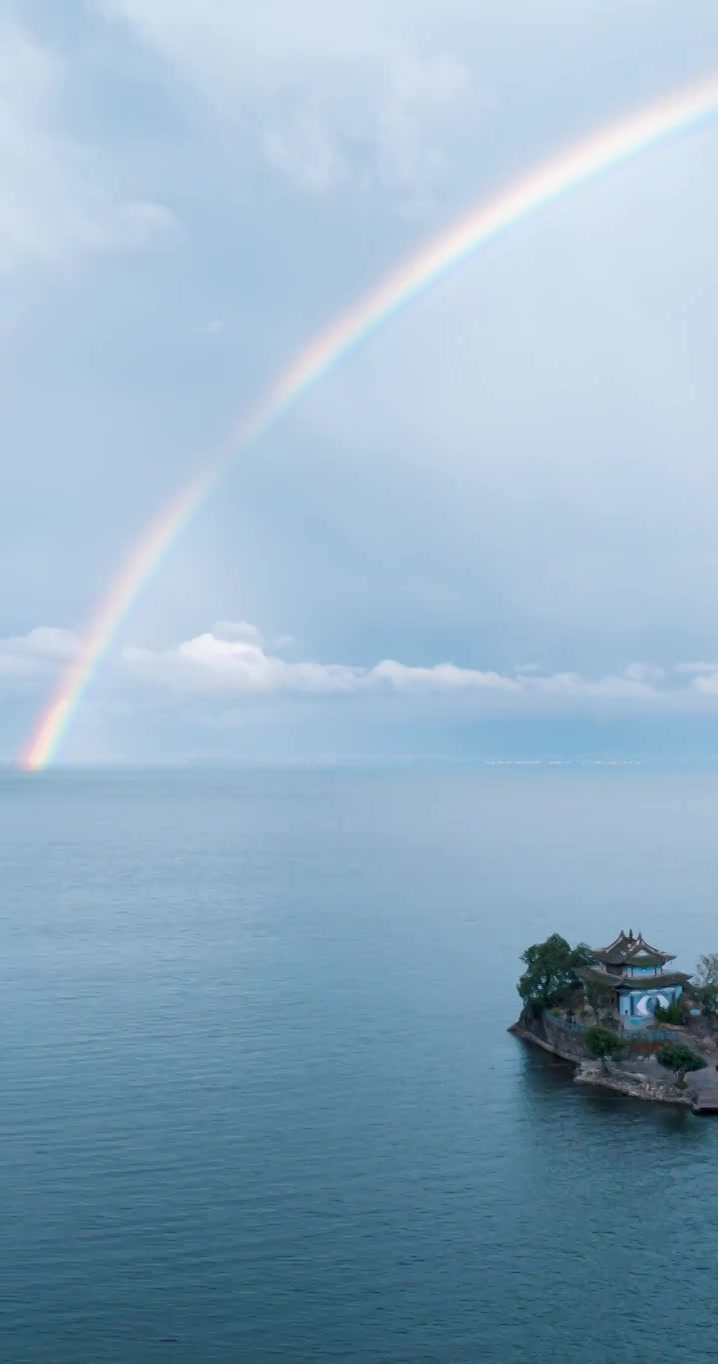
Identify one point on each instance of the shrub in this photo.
(600, 1042)
(672, 1014)
(601, 994)
(679, 1058)
(706, 987)
(707, 997)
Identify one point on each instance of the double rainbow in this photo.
(571, 169)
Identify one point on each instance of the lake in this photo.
(259, 1103)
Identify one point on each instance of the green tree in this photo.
(600, 1042)
(706, 989)
(672, 1013)
(707, 969)
(601, 994)
(707, 997)
(550, 976)
(678, 1057)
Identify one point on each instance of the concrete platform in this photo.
(705, 1101)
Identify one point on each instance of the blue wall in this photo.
(636, 1006)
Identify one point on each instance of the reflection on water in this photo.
(549, 1085)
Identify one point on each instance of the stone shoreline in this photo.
(636, 1087)
(602, 1075)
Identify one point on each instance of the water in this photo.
(258, 1100)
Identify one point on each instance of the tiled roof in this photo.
(628, 949)
(617, 981)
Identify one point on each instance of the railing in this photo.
(571, 1024)
(639, 1036)
(647, 1035)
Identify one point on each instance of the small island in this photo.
(625, 1018)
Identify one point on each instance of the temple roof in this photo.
(618, 981)
(628, 950)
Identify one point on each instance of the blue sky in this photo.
(490, 533)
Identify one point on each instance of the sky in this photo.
(490, 534)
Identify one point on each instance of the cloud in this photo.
(704, 676)
(323, 93)
(55, 200)
(644, 672)
(228, 676)
(522, 468)
(442, 677)
(212, 664)
(236, 630)
(38, 654)
(231, 660)
(694, 669)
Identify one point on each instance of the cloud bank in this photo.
(232, 660)
(229, 681)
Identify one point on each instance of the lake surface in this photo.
(258, 1099)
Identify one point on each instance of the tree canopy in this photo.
(602, 1042)
(680, 1058)
(550, 975)
(673, 1012)
(706, 988)
(707, 969)
(601, 994)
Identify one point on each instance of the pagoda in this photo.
(636, 974)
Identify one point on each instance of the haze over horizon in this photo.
(488, 535)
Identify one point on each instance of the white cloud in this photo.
(324, 92)
(214, 664)
(704, 676)
(695, 669)
(442, 677)
(53, 201)
(232, 660)
(236, 630)
(38, 654)
(644, 672)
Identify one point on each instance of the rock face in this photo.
(547, 1033)
(555, 1035)
(633, 1083)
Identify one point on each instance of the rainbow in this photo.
(572, 168)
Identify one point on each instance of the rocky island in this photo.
(625, 1018)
